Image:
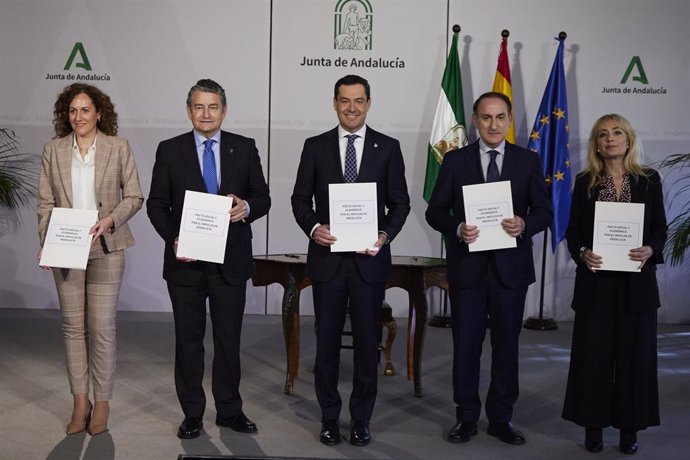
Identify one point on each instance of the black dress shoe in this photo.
(593, 440)
(330, 433)
(628, 442)
(359, 433)
(239, 423)
(190, 428)
(462, 432)
(506, 433)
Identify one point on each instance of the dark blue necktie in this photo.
(350, 174)
(492, 174)
(209, 172)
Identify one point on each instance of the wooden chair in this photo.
(389, 323)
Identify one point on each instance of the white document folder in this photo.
(353, 216)
(204, 227)
(486, 205)
(617, 229)
(68, 241)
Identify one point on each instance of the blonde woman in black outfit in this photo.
(613, 364)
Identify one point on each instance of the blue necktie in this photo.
(350, 174)
(492, 174)
(209, 172)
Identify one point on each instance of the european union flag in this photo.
(549, 138)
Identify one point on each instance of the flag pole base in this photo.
(439, 321)
(540, 324)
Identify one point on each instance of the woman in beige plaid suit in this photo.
(87, 167)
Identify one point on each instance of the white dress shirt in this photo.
(84, 177)
(485, 158)
(342, 143)
(359, 145)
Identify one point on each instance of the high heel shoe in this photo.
(593, 440)
(99, 424)
(78, 427)
(95, 430)
(628, 442)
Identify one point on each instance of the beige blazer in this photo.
(118, 194)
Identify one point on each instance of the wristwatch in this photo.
(582, 251)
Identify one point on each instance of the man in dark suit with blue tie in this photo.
(211, 161)
(488, 285)
(351, 152)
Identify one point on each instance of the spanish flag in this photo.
(502, 82)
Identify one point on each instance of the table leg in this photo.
(410, 336)
(421, 312)
(392, 328)
(291, 332)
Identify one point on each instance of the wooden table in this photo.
(413, 274)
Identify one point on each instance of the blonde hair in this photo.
(596, 169)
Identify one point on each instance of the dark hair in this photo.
(108, 120)
(490, 94)
(348, 80)
(207, 85)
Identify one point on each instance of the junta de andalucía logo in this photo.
(353, 25)
(78, 67)
(635, 81)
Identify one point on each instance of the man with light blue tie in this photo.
(350, 152)
(208, 160)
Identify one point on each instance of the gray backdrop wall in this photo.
(278, 62)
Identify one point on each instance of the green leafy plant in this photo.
(18, 176)
(679, 227)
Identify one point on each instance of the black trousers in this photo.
(470, 308)
(330, 302)
(613, 362)
(226, 306)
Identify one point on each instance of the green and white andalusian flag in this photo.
(448, 131)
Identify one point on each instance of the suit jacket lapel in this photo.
(333, 152)
(508, 162)
(475, 163)
(370, 149)
(64, 160)
(228, 158)
(191, 161)
(637, 190)
(104, 149)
